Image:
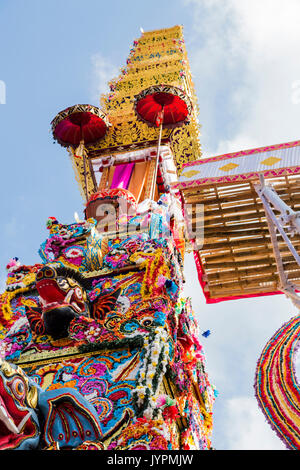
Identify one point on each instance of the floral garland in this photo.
(156, 275)
(14, 343)
(6, 312)
(143, 434)
(151, 372)
(54, 244)
(168, 407)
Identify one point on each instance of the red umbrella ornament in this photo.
(78, 126)
(162, 106)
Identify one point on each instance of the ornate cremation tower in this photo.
(99, 350)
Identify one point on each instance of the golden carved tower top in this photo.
(157, 58)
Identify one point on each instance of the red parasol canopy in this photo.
(78, 123)
(174, 103)
(163, 106)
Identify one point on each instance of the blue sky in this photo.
(244, 59)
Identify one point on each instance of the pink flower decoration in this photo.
(161, 400)
(161, 280)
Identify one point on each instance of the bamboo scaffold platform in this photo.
(234, 253)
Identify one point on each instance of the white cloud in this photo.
(246, 428)
(244, 58)
(103, 70)
(271, 31)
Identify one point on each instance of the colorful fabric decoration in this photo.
(143, 435)
(122, 175)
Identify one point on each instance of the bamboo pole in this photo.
(256, 225)
(235, 210)
(215, 220)
(231, 292)
(245, 287)
(222, 233)
(246, 263)
(283, 190)
(243, 254)
(251, 273)
(243, 284)
(235, 257)
(250, 244)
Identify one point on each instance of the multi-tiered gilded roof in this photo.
(158, 57)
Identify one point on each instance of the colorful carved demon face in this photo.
(19, 428)
(62, 298)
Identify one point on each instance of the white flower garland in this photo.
(149, 369)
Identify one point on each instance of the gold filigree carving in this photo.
(158, 57)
